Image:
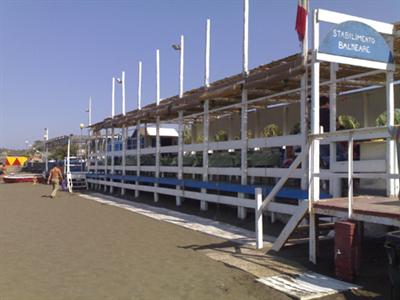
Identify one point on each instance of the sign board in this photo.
(358, 42)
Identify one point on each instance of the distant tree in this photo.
(60, 152)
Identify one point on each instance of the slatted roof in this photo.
(268, 81)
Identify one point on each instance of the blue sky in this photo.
(55, 54)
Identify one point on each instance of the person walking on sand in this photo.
(55, 178)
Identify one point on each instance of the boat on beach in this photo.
(18, 178)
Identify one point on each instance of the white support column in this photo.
(304, 127)
(259, 219)
(304, 113)
(391, 157)
(113, 98)
(241, 211)
(203, 203)
(350, 177)
(123, 92)
(314, 158)
(137, 157)
(112, 156)
(181, 66)
(106, 160)
(157, 173)
(139, 107)
(96, 162)
(207, 55)
(124, 146)
(180, 156)
(334, 183)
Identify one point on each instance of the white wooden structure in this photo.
(242, 106)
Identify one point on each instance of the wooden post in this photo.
(259, 219)
(391, 158)
(350, 177)
(124, 146)
(112, 157)
(334, 183)
(245, 71)
(244, 141)
(203, 203)
(157, 173)
(314, 158)
(137, 158)
(106, 162)
(180, 156)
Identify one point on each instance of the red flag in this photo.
(301, 19)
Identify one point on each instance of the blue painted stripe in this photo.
(288, 193)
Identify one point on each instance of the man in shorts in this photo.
(55, 178)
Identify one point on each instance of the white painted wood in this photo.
(207, 55)
(158, 97)
(138, 153)
(124, 146)
(169, 149)
(337, 18)
(181, 66)
(203, 204)
(180, 155)
(113, 98)
(307, 286)
(157, 167)
(112, 156)
(391, 157)
(259, 219)
(276, 141)
(334, 183)
(350, 177)
(123, 93)
(273, 172)
(245, 37)
(139, 91)
(282, 180)
(244, 140)
(314, 157)
(354, 61)
(290, 226)
(106, 160)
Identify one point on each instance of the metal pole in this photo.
(207, 50)
(181, 66)
(157, 173)
(113, 98)
(123, 92)
(139, 107)
(245, 37)
(158, 76)
(139, 103)
(90, 111)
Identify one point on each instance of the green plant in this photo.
(296, 129)
(220, 136)
(199, 139)
(271, 130)
(187, 135)
(347, 122)
(381, 120)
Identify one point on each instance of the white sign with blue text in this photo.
(356, 40)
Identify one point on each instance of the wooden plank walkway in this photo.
(374, 209)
